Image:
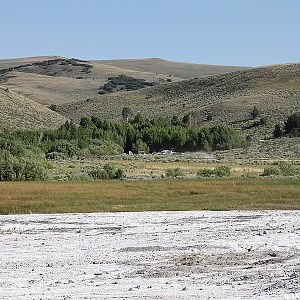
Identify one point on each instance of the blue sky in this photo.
(227, 32)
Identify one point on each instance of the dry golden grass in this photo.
(19, 113)
(213, 194)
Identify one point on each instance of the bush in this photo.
(177, 172)
(108, 171)
(221, 171)
(255, 113)
(29, 167)
(205, 173)
(263, 121)
(68, 148)
(281, 168)
(277, 131)
(287, 169)
(53, 107)
(292, 124)
(271, 171)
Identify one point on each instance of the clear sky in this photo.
(227, 32)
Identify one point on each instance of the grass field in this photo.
(151, 195)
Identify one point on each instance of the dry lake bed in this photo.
(151, 255)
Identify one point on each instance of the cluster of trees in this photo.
(291, 126)
(123, 83)
(96, 136)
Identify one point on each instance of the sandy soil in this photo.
(163, 255)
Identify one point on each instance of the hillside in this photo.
(18, 113)
(229, 98)
(56, 80)
(102, 87)
(171, 68)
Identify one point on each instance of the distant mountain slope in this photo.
(56, 80)
(229, 98)
(177, 69)
(18, 113)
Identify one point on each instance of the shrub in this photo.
(271, 171)
(53, 107)
(205, 173)
(221, 171)
(127, 113)
(292, 124)
(177, 172)
(277, 131)
(281, 168)
(287, 169)
(27, 167)
(109, 171)
(255, 113)
(98, 173)
(263, 121)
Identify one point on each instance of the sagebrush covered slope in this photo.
(56, 80)
(228, 98)
(18, 113)
(172, 68)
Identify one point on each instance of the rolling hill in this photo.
(95, 87)
(154, 88)
(228, 98)
(19, 113)
(57, 80)
(171, 68)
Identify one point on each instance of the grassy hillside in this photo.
(228, 98)
(18, 113)
(55, 80)
(171, 68)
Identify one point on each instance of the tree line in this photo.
(96, 136)
(23, 154)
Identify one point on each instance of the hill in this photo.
(171, 68)
(19, 113)
(56, 80)
(228, 98)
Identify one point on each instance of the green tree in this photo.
(277, 131)
(292, 124)
(140, 146)
(53, 107)
(126, 113)
(255, 113)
